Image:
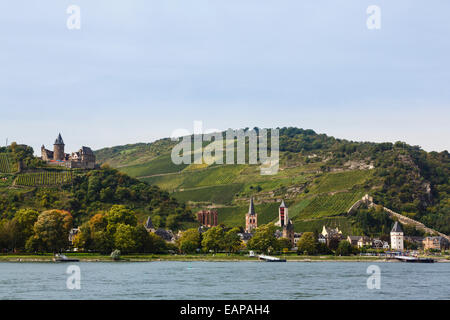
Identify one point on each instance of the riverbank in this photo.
(87, 257)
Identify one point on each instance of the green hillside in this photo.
(320, 176)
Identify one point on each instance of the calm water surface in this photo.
(225, 280)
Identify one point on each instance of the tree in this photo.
(189, 241)
(283, 243)
(51, 231)
(125, 238)
(214, 239)
(232, 240)
(26, 218)
(121, 214)
(344, 248)
(172, 222)
(98, 222)
(9, 234)
(264, 238)
(307, 244)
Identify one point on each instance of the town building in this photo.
(297, 236)
(364, 242)
(251, 218)
(207, 218)
(397, 237)
(331, 235)
(435, 243)
(353, 240)
(418, 241)
(82, 159)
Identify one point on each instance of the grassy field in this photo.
(44, 178)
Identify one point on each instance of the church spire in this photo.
(251, 208)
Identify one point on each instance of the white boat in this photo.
(62, 258)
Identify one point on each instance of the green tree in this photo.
(232, 240)
(307, 244)
(189, 241)
(121, 214)
(51, 231)
(264, 238)
(125, 238)
(9, 234)
(283, 243)
(214, 239)
(172, 222)
(344, 248)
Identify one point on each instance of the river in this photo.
(224, 280)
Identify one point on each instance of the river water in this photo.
(224, 280)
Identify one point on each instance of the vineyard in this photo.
(330, 205)
(6, 164)
(44, 178)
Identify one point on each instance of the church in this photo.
(82, 159)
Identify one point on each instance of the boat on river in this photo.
(62, 258)
(413, 259)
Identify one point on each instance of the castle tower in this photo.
(397, 237)
(251, 218)
(283, 215)
(58, 149)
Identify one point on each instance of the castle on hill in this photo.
(83, 158)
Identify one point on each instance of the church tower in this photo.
(58, 149)
(397, 237)
(283, 215)
(251, 218)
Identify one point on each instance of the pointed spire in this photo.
(282, 205)
(149, 224)
(397, 227)
(251, 208)
(59, 140)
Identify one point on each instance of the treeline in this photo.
(32, 231)
(96, 190)
(23, 154)
(117, 229)
(221, 239)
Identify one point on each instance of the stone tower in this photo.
(58, 149)
(251, 218)
(397, 237)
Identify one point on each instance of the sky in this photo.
(138, 70)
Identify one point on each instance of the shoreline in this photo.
(199, 258)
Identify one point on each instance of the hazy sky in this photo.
(138, 70)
